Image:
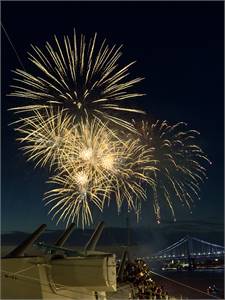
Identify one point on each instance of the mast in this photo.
(128, 231)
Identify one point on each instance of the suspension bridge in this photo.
(190, 248)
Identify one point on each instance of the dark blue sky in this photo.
(179, 48)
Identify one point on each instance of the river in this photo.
(198, 279)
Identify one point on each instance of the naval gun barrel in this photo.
(19, 250)
(91, 244)
(63, 238)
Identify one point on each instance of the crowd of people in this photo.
(214, 291)
(138, 274)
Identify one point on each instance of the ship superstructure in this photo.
(59, 273)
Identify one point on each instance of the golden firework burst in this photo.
(43, 135)
(74, 196)
(115, 169)
(180, 162)
(82, 77)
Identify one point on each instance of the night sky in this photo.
(179, 48)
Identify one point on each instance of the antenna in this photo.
(128, 230)
(122, 265)
(91, 244)
(19, 250)
(14, 49)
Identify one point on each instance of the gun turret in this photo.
(51, 249)
(20, 250)
(91, 244)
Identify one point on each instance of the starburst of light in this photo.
(180, 162)
(130, 173)
(43, 135)
(103, 165)
(82, 77)
(74, 196)
(75, 95)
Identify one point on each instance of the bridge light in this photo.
(182, 254)
(218, 252)
(199, 253)
(209, 252)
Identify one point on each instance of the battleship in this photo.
(62, 273)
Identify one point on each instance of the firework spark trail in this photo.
(180, 162)
(80, 77)
(131, 173)
(74, 197)
(44, 135)
(89, 145)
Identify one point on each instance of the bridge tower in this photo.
(191, 260)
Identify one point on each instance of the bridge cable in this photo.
(177, 244)
(207, 243)
(185, 285)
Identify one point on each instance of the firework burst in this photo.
(78, 76)
(89, 146)
(130, 173)
(73, 101)
(43, 135)
(103, 167)
(74, 196)
(180, 162)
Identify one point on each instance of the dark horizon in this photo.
(179, 48)
(156, 238)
